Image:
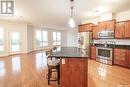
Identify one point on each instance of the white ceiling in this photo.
(56, 13)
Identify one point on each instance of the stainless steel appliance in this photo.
(106, 34)
(104, 55)
(84, 41)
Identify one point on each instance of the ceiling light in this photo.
(71, 23)
(71, 20)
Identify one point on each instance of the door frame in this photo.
(10, 43)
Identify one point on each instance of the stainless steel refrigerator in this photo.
(84, 40)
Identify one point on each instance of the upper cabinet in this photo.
(107, 25)
(95, 32)
(127, 29)
(119, 30)
(85, 27)
(122, 29)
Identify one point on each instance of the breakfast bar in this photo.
(73, 66)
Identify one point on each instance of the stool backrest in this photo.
(48, 52)
(54, 48)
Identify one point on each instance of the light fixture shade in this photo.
(71, 22)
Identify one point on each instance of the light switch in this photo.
(63, 61)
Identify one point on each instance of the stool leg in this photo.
(58, 74)
(48, 75)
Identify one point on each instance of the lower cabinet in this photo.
(128, 57)
(120, 57)
(93, 52)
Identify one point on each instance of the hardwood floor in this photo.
(29, 70)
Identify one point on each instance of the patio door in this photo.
(15, 45)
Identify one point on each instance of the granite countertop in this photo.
(70, 52)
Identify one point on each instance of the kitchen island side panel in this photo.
(74, 72)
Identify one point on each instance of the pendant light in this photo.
(71, 20)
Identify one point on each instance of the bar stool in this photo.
(53, 66)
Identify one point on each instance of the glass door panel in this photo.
(38, 38)
(1, 39)
(15, 42)
(45, 38)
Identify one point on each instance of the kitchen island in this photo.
(73, 66)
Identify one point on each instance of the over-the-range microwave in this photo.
(106, 34)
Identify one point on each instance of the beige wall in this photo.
(72, 38)
(30, 38)
(16, 27)
(121, 16)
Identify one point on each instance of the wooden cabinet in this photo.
(80, 28)
(107, 25)
(119, 30)
(74, 72)
(93, 52)
(102, 26)
(128, 57)
(120, 57)
(127, 29)
(95, 31)
(122, 30)
(85, 27)
(110, 25)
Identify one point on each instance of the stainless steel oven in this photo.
(104, 55)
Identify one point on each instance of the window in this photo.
(1, 39)
(45, 38)
(56, 38)
(41, 38)
(15, 44)
(38, 38)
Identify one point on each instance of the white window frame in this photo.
(36, 39)
(56, 42)
(45, 41)
(2, 41)
(42, 40)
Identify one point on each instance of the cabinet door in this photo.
(80, 28)
(95, 31)
(128, 57)
(119, 30)
(127, 29)
(73, 72)
(87, 27)
(102, 26)
(120, 57)
(93, 52)
(110, 25)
